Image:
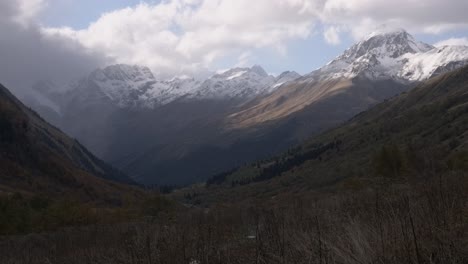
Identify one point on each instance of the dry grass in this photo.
(399, 223)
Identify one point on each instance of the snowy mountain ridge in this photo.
(384, 54)
(236, 83)
(130, 86)
(392, 54)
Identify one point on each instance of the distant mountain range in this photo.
(136, 87)
(183, 130)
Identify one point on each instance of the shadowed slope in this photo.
(37, 158)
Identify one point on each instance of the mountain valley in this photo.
(363, 160)
(138, 123)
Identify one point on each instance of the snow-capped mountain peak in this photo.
(123, 83)
(387, 43)
(385, 30)
(395, 38)
(238, 72)
(236, 83)
(390, 54)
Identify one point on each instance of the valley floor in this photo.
(390, 221)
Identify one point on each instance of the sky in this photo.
(64, 39)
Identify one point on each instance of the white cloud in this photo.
(332, 35)
(181, 36)
(424, 16)
(452, 42)
(189, 36)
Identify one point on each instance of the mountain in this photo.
(136, 86)
(414, 136)
(381, 55)
(384, 64)
(392, 53)
(131, 119)
(237, 82)
(182, 130)
(37, 158)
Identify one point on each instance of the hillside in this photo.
(38, 159)
(422, 132)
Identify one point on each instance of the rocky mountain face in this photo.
(183, 129)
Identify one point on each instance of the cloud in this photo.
(20, 11)
(28, 55)
(244, 60)
(452, 42)
(332, 35)
(181, 36)
(28, 9)
(191, 36)
(422, 16)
